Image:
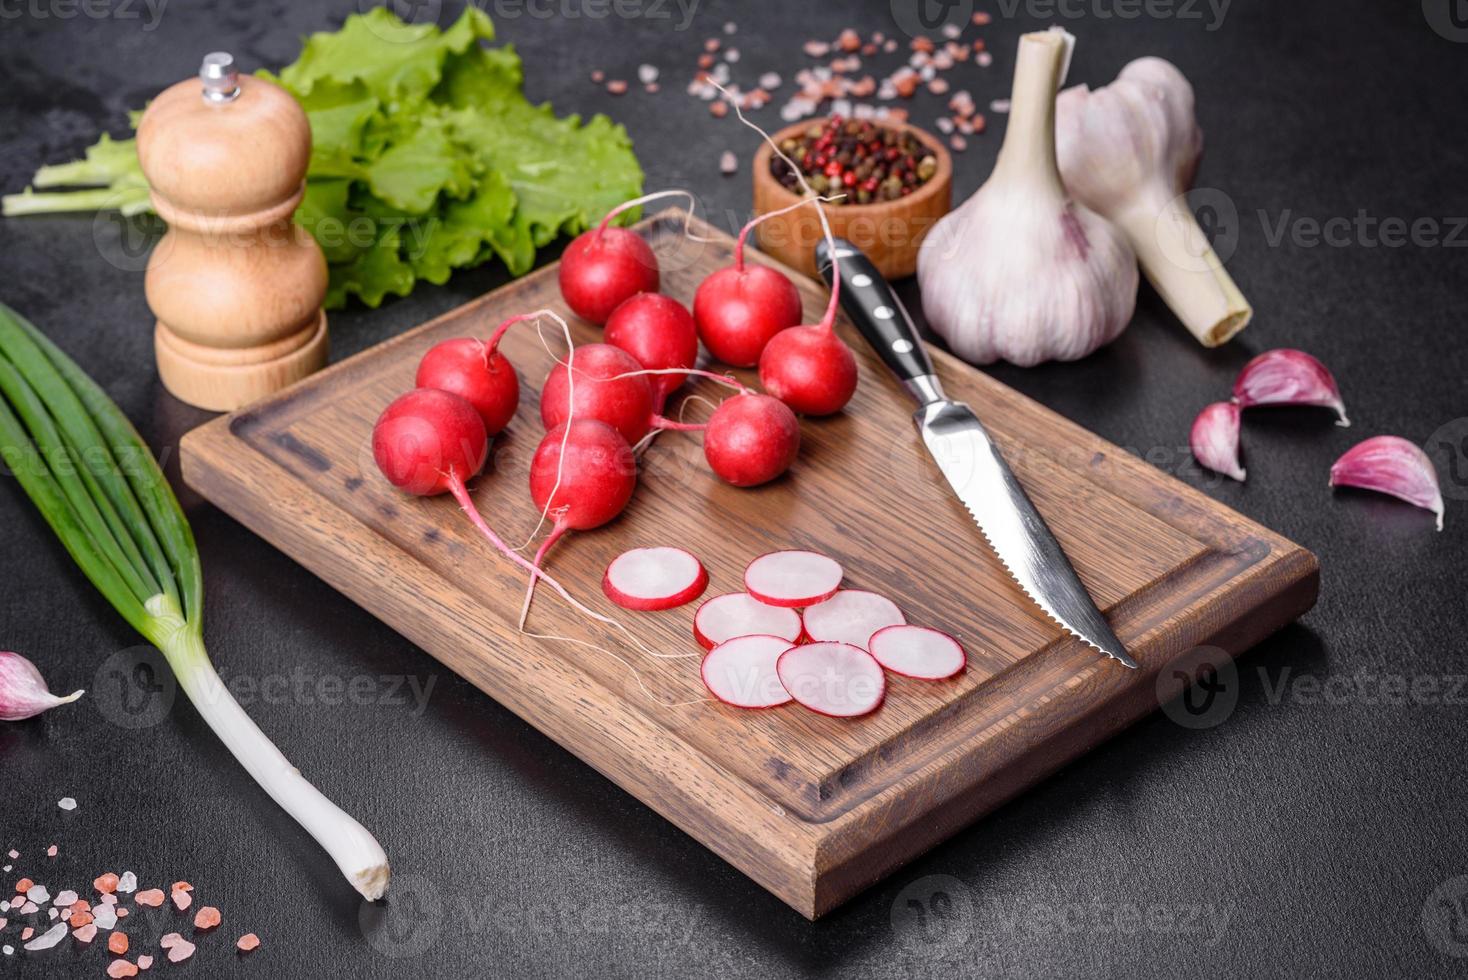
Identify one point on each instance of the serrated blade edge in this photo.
(1015, 531)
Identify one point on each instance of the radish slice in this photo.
(916, 651)
(835, 679)
(851, 616)
(742, 672)
(725, 617)
(792, 578)
(649, 579)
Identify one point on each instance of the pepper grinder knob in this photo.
(236, 285)
(221, 80)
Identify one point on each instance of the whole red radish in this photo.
(602, 391)
(740, 308)
(751, 439)
(605, 266)
(810, 369)
(477, 372)
(428, 440)
(587, 485)
(659, 332)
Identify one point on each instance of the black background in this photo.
(1310, 833)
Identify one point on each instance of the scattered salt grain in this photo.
(13, 856)
(66, 803)
(85, 934)
(27, 933)
(598, 76)
(617, 87)
(182, 899)
(982, 19)
(945, 125)
(121, 968)
(169, 938)
(7, 950)
(180, 951)
(817, 49)
(48, 938)
(28, 908)
(151, 896)
(647, 74)
(4, 906)
(248, 942)
(730, 27)
(207, 918)
(105, 916)
(732, 56)
(958, 143)
(144, 962)
(117, 943)
(108, 899)
(51, 851)
(128, 882)
(728, 163)
(1000, 106)
(51, 913)
(984, 59)
(7, 867)
(67, 897)
(38, 894)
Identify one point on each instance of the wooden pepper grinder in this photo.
(236, 285)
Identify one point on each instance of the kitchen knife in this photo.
(967, 456)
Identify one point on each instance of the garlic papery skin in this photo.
(1289, 377)
(1391, 465)
(1215, 439)
(1130, 151)
(1020, 272)
(23, 691)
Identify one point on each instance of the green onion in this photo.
(97, 484)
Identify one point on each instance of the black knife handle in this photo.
(876, 311)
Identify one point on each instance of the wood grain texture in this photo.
(236, 285)
(812, 808)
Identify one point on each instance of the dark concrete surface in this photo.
(1316, 831)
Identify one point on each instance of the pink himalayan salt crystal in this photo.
(181, 950)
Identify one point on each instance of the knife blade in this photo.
(968, 457)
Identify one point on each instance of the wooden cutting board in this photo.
(814, 809)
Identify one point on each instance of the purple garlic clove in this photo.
(1288, 377)
(23, 691)
(1215, 439)
(1391, 465)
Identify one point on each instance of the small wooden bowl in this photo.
(889, 232)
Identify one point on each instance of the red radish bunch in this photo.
(433, 439)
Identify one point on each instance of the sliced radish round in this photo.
(654, 578)
(851, 616)
(724, 617)
(916, 651)
(742, 672)
(835, 679)
(792, 578)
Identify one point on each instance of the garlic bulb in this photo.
(1021, 272)
(1130, 151)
